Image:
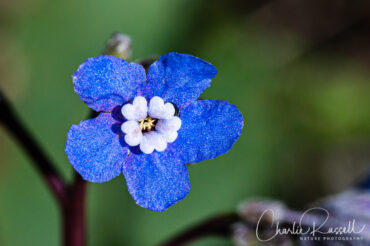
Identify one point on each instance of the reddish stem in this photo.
(70, 198)
(73, 214)
(41, 161)
(217, 226)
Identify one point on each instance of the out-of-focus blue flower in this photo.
(138, 131)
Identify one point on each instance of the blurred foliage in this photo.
(304, 103)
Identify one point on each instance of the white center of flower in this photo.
(151, 127)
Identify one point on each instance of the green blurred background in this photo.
(298, 70)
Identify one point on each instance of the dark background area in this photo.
(297, 69)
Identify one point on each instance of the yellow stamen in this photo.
(147, 124)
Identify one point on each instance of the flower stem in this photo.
(70, 198)
(220, 225)
(73, 214)
(41, 161)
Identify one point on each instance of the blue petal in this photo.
(209, 128)
(105, 82)
(179, 78)
(157, 181)
(94, 150)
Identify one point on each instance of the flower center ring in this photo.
(151, 126)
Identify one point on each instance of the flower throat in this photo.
(147, 124)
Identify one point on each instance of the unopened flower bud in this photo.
(262, 210)
(242, 235)
(119, 45)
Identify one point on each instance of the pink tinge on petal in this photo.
(138, 110)
(146, 145)
(130, 126)
(170, 125)
(160, 110)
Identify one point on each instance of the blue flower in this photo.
(150, 126)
